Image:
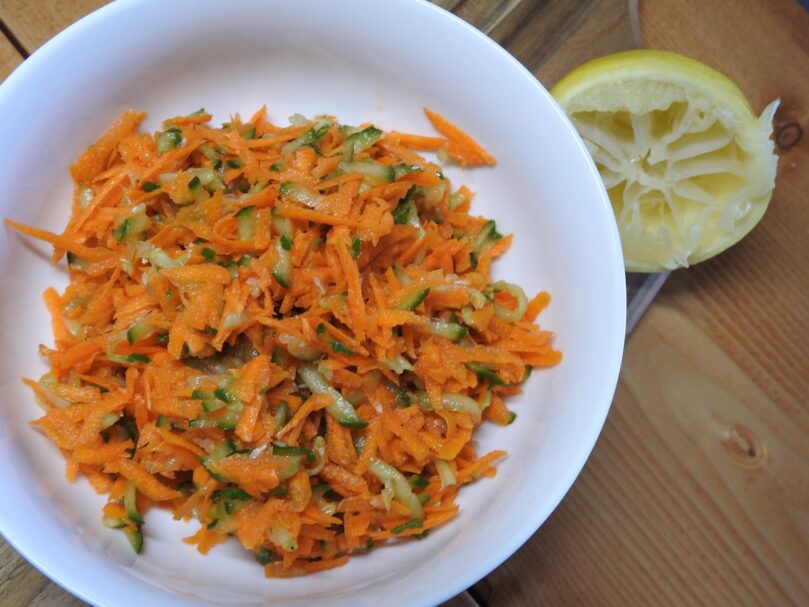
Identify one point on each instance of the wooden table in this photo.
(697, 492)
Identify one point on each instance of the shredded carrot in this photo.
(102, 453)
(419, 142)
(281, 331)
(95, 158)
(146, 482)
(54, 304)
(205, 539)
(467, 149)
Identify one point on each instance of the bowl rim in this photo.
(601, 407)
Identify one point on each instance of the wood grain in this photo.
(9, 57)
(698, 490)
(34, 23)
(684, 497)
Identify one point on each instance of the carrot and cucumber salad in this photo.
(289, 333)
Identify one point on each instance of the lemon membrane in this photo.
(688, 166)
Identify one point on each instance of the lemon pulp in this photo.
(688, 166)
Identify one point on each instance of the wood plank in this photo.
(542, 29)
(672, 508)
(54, 596)
(487, 15)
(34, 27)
(19, 582)
(23, 586)
(736, 290)
(9, 57)
(760, 45)
(697, 491)
(752, 299)
(606, 30)
(462, 600)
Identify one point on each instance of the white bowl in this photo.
(361, 60)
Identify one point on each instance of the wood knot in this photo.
(788, 134)
(743, 446)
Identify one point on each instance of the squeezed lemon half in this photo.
(688, 166)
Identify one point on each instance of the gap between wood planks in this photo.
(12, 39)
(4, 29)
